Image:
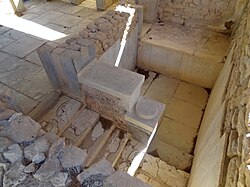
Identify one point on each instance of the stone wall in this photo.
(214, 12)
(221, 155)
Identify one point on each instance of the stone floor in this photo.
(43, 22)
(175, 138)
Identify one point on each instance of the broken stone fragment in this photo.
(14, 175)
(122, 179)
(98, 36)
(84, 33)
(97, 131)
(41, 145)
(5, 115)
(4, 143)
(59, 179)
(125, 15)
(105, 27)
(38, 158)
(85, 42)
(30, 168)
(92, 27)
(22, 129)
(48, 169)
(100, 21)
(73, 157)
(96, 172)
(14, 153)
(56, 148)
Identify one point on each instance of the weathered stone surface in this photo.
(56, 148)
(97, 131)
(21, 129)
(96, 172)
(38, 158)
(14, 153)
(122, 179)
(47, 169)
(4, 143)
(41, 145)
(73, 157)
(14, 175)
(59, 179)
(30, 168)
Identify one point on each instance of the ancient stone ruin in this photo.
(135, 93)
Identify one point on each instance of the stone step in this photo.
(189, 54)
(163, 173)
(171, 155)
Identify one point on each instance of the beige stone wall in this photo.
(222, 151)
(208, 12)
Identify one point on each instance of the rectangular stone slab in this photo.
(114, 81)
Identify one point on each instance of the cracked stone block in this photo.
(21, 129)
(73, 157)
(14, 153)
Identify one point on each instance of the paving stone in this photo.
(184, 112)
(3, 29)
(177, 134)
(14, 34)
(122, 179)
(47, 17)
(4, 143)
(36, 87)
(21, 129)
(4, 41)
(66, 20)
(33, 57)
(3, 55)
(162, 89)
(23, 46)
(70, 9)
(96, 172)
(26, 103)
(192, 93)
(14, 153)
(14, 70)
(73, 157)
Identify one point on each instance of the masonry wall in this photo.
(222, 150)
(212, 12)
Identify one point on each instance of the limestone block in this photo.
(170, 154)
(192, 93)
(144, 118)
(177, 134)
(184, 112)
(122, 86)
(162, 89)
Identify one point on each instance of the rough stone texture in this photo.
(97, 171)
(4, 143)
(41, 145)
(73, 157)
(122, 179)
(213, 12)
(165, 173)
(227, 113)
(14, 153)
(21, 129)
